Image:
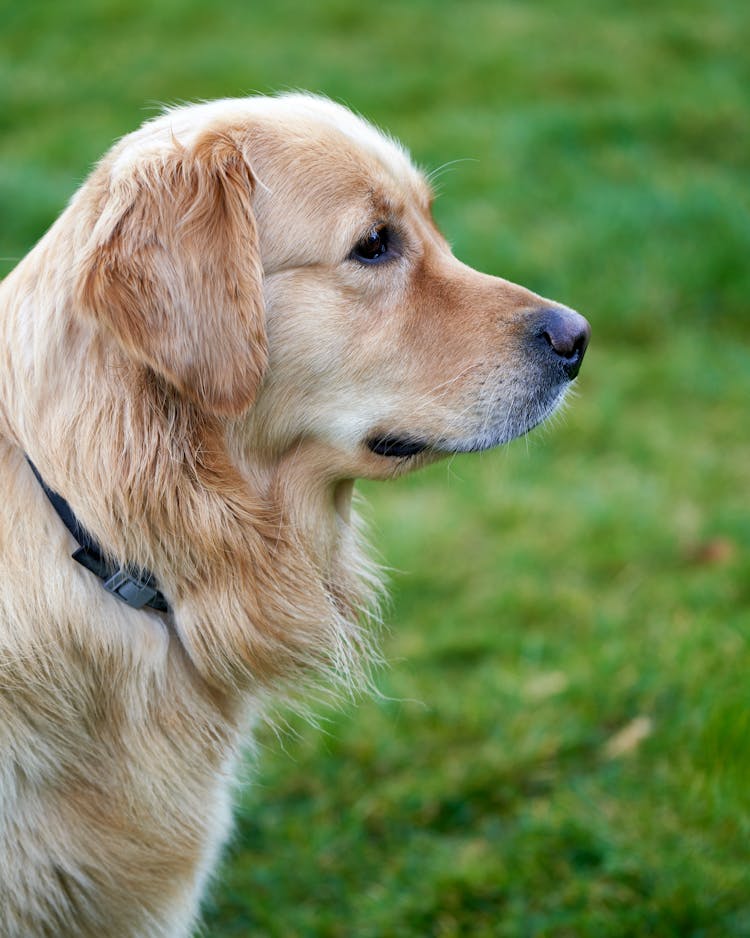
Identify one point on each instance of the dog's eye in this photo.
(373, 247)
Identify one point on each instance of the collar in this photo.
(137, 588)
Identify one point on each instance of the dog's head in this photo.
(275, 260)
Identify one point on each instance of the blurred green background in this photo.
(562, 745)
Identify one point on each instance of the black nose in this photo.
(566, 334)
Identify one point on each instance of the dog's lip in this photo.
(398, 447)
(394, 446)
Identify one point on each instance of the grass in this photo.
(590, 580)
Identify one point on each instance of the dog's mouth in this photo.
(397, 447)
(519, 421)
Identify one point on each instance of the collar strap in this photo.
(136, 588)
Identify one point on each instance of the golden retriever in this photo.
(244, 308)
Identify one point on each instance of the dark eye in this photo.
(373, 247)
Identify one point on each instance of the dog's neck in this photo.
(316, 511)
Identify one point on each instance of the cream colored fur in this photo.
(191, 357)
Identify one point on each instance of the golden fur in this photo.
(192, 358)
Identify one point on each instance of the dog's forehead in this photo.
(342, 163)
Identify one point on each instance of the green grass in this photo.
(545, 596)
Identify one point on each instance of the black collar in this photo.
(136, 588)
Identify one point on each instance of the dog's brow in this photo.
(389, 205)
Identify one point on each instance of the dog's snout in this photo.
(566, 334)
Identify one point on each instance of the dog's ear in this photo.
(173, 270)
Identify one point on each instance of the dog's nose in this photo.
(566, 334)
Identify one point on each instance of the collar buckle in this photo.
(136, 593)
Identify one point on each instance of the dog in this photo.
(246, 307)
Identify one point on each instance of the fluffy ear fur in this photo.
(173, 270)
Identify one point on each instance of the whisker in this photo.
(434, 173)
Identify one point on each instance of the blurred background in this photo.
(562, 744)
